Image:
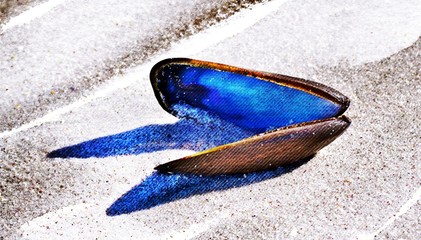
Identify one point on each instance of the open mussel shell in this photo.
(291, 118)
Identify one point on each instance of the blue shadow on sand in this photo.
(184, 134)
(160, 188)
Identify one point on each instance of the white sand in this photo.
(366, 183)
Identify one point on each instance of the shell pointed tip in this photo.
(345, 119)
(163, 168)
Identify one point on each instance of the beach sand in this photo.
(364, 185)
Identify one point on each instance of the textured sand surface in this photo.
(364, 185)
(56, 58)
(10, 8)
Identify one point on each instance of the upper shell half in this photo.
(291, 118)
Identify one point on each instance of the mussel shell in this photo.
(292, 118)
(264, 151)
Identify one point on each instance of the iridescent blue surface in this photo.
(247, 102)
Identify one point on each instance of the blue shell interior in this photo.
(248, 102)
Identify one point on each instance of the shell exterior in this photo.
(292, 118)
